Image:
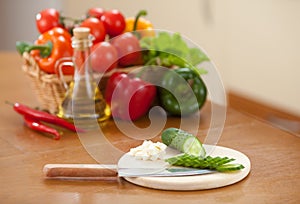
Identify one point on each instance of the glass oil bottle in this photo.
(83, 101)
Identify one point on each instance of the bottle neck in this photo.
(81, 56)
(81, 61)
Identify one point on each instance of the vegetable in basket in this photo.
(129, 98)
(128, 48)
(97, 28)
(114, 22)
(166, 49)
(138, 23)
(47, 19)
(182, 97)
(96, 12)
(48, 48)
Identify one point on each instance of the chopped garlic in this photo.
(149, 151)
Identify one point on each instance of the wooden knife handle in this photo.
(79, 170)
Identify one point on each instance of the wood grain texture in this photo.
(274, 155)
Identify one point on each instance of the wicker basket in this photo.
(50, 89)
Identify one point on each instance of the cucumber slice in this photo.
(220, 164)
(229, 167)
(183, 141)
(193, 146)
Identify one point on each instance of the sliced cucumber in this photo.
(183, 141)
(220, 164)
(193, 146)
(229, 167)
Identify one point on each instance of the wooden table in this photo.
(274, 154)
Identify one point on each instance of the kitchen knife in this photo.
(96, 171)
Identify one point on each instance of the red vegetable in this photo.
(114, 22)
(104, 57)
(47, 19)
(97, 28)
(95, 12)
(129, 98)
(129, 49)
(43, 116)
(36, 125)
(51, 46)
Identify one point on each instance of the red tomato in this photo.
(95, 12)
(114, 22)
(129, 49)
(97, 28)
(47, 19)
(104, 57)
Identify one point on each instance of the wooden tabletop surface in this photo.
(274, 155)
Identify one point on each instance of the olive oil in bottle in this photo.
(83, 102)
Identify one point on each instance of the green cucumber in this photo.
(183, 141)
(229, 167)
(220, 164)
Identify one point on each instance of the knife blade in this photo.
(97, 171)
(162, 172)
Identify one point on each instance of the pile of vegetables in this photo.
(54, 41)
(121, 42)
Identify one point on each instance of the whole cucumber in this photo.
(183, 141)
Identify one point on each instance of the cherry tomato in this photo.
(129, 49)
(47, 19)
(104, 57)
(114, 22)
(95, 12)
(97, 28)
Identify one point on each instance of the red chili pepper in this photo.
(43, 116)
(132, 97)
(36, 125)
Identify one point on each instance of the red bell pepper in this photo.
(129, 98)
(48, 48)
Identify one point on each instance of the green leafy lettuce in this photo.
(168, 50)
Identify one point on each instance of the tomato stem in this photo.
(75, 21)
(9, 103)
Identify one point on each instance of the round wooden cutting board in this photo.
(187, 183)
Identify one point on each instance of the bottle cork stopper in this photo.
(81, 33)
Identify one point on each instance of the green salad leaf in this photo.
(168, 50)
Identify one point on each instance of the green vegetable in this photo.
(167, 50)
(183, 141)
(194, 153)
(182, 97)
(213, 163)
(229, 167)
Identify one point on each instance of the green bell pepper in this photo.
(182, 96)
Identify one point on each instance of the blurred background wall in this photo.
(255, 44)
(17, 20)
